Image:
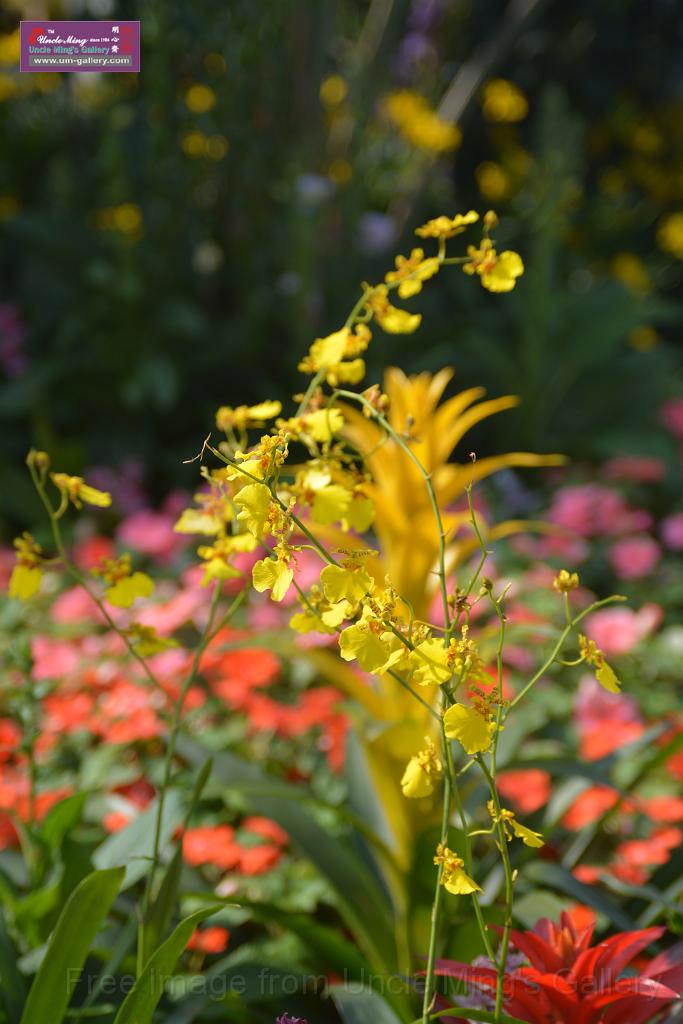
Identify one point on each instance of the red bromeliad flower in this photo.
(568, 981)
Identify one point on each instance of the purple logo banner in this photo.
(80, 45)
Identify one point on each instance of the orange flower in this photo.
(209, 940)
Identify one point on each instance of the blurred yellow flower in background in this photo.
(670, 235)
(503, 102)
(333, 90)
(10, 49)
(419, 124)
(493, 181)
(644, 338)
(125, 218)
(632, 272)
(200, 98)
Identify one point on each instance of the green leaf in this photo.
(61, 818)
(139, 1005)
(328, 950)
(12, 984)
(555, 877)
(361, 901)
(133, 846)
(359, 1006)
(69, 945)
(161, 911)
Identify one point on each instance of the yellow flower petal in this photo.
(430, 663)
(502, 276)
(124, 592)
(331, 504)
(272, 574)
(254, 504)
(360, 514)
(360, 643)
(607, 677)
(528, 837)
(91, 496)
(341, 584)
(24, 582)
(468, 727)
(194, 520)
(459, 883)
(398, 321)
(323, 424)
(416, 782)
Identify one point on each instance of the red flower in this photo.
(568, 981)
(211, 844)
(527, 789)
(589, 806)
(209, 940)
(267, 829)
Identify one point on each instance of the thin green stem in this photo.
(172, 740)
(450, 768)
(501, 963)
(559, 645)
(428, 997)
(79, 578)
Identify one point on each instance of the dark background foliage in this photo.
(158, 259)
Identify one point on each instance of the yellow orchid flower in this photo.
(454, 878)
(604, 673)
(254, 502)
(26, 574)
(430, 662)
(216, 556)
(447, 227)
(274, 574)
(245, 416)
(331, 504)
(421, 772)
(509, 822)
(469, 727)
(337, 356)
(75, 489)
(342, 584)
(411, 272)
(498, 273)
(125, 587)
(391, 319)
(368, 642)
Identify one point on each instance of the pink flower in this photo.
(640, 469)
(75, 605)
(152, 534)
(634, 557)
(593, 510)
(671, 530)
(617, 630)
(605, 721)
(53, 658)
(671, 415)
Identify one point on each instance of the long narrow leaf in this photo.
(139, 1005)
(69, 945)
(12, 983)
(133, 846)
(361, 901)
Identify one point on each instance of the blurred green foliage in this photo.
(173, 240)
